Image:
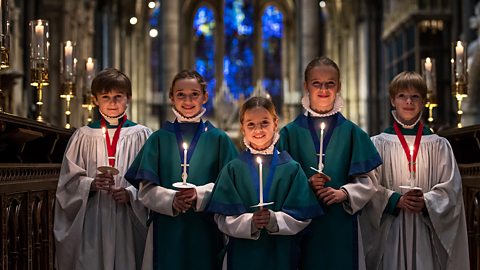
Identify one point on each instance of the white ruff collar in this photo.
(113, 121)
(266, 151)
(395, 116)
(337, 107)
(184, 119)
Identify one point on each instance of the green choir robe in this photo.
(332, 241)
(178, 236)
(236, 191)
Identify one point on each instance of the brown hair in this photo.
(407, 80)
(188, 74)
(258, 102)
(321, 61)
(111, 79)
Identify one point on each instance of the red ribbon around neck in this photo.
(112, 147)
(416, 145)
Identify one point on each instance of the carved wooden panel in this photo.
(471, 196)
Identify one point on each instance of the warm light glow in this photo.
(411, 150)
(322, 126)
(428, 64)
(104, 130)
(322, 4)
(259, 160)
(151, 4)
(133, 20)
(153, 33)
(185, 146)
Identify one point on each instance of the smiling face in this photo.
(112, 103)
(322, 85)
(408, 104)
(258, 127)
(187, 97)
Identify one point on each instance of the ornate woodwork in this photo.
(27, 191)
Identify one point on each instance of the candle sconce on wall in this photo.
(430, 77)
(68, 72)
(459, 76)
(4, 46)
(88, 104)
(39, 50)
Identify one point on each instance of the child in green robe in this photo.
(322, 140)
(189, 152)
(262, 198)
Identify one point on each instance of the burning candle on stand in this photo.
(428, 73)
(68, 49)
(90, 71)
(260, 179)
(39, 42)
(411, 166)
(184, 173)
(320, 159)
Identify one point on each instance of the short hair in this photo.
(407, 80)
(321, 61)
(188, 74)
(111, 79)
(258, 102)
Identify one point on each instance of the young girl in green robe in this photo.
(191, 151)
(262, 198)
(345, 155)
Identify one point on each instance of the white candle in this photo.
(90, 70)
(320, 159)
(68, 55)
(39, 42)
(104, 132)
(260, 179)
(459, 59)
(184, 174)
(411, 166)
(428, 73)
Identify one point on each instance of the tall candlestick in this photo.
(428, 73)
(411, 166)
(184, 174)
(260, 179)
(320, 159)
(90, 72)
(459, 59)
(68, 50)
(39, 42)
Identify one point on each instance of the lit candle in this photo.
(260, 179)
(411, 166)
(39, 42)
(320, 159)
(184, 174)
(428, 73)
(104, 132)
(459, 59)
(68, 55)
(90, 70)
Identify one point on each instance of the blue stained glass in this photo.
(204, 40)
(238, 58)
(272, 33)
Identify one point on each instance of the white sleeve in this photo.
(237, 226)
(283, 224)
(203, 195)
(157, 198)
(360, 191)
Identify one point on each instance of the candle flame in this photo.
(89, 60)
(322, 126)
(259, 160)
(411, 150)
(104, 130)
(185, 146)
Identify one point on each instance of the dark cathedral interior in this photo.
(52, 49)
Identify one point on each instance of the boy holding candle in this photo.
(424, 227)
(98, 222)
(179, 225)
(261, 205)
(344, 185)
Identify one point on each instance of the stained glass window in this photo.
(272, 32)
(238, 58)
(204, 44)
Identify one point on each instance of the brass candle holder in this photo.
(429, 75)
(68, 72)
(4, 45)
(459, 76)
(88, 104)
(39, 50)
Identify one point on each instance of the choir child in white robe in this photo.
(262, 237)
(422, 227)
(99, 222)
(179, 225)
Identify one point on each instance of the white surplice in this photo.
(435, 239)
(91, 230)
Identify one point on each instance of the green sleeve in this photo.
(391, 207)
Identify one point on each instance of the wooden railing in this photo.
(466, 147)
(30, 160)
